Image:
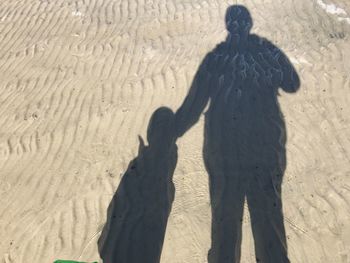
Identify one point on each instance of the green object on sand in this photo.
(70, 261)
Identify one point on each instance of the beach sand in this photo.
(79, 81)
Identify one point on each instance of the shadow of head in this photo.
(238, 20)
(160, 129)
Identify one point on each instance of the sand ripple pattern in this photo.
(79, 81)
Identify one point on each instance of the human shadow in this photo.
(244, 140)
(138, 213)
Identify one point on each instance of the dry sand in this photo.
(79, 81)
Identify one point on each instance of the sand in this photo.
(79, 81)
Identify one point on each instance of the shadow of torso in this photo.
(244, 121)
(138, 213)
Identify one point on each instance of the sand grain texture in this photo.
(79, 81)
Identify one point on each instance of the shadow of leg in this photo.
(265, 207)
(227, 211)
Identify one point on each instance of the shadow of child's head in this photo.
(161, 127)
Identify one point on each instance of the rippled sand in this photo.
(79, 81)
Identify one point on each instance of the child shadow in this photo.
(138, 213)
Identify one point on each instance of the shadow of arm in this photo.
(196, 100)
(290, 79)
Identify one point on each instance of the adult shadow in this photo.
(138, 213)
(245, 136)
